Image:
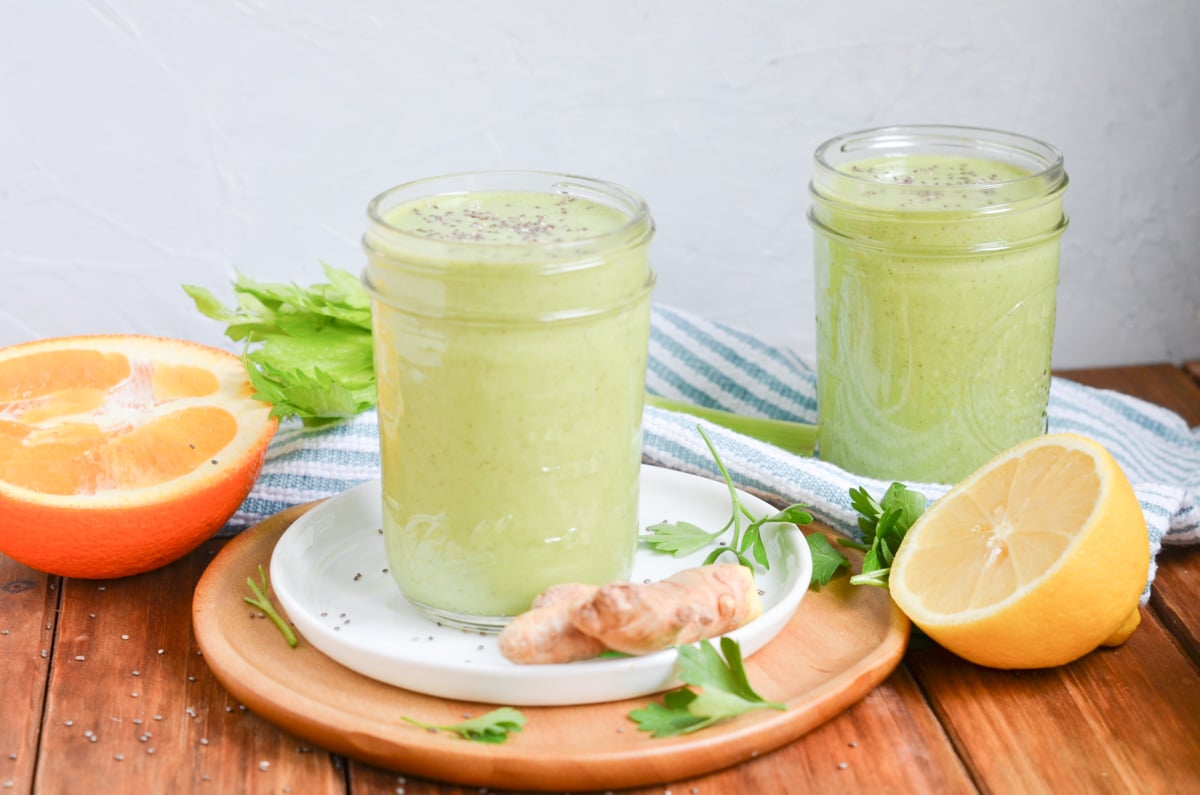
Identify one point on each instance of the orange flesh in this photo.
(84, 422)
(991, 542)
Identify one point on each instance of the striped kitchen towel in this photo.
(714, 364)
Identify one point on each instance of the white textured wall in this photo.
(146, 143)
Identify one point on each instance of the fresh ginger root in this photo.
(544, 633)
(573, 621)
(688, 606)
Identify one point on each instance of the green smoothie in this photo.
(511, 330)
(935, 288)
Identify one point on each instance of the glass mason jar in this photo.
(511, 321)
(936, 265)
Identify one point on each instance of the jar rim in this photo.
(631, 204)
(1013, 148)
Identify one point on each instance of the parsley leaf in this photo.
(826, 559)
(884, 525)
(259, 598)
(724, 693)
(679, 538)
(684, 538)
(494, 727)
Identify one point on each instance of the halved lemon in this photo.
(121, 453)
(1032, 561)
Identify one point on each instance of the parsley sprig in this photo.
(494, 727)
(259, 598)
(684, 538)
(883, 523)
(725, 692)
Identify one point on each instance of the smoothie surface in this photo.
(506, 218)
(938, 182)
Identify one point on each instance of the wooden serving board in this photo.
(841, 643)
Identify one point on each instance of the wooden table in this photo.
(74, 655)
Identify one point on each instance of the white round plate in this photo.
(328, 571)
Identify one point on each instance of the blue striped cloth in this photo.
(714, 364)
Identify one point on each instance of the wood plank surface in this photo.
(28, 613)
(132, 707)
(888, 742)
(1120, 720)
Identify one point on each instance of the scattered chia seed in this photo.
(264, 765)
(79, 658)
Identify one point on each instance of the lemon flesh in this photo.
(1034, 560)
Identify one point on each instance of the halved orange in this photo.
(1032, 561)
(122, 453)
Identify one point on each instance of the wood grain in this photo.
(28, 602)
(132, 706)
(1123, 720)
(841, 643)
(1117, 721)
